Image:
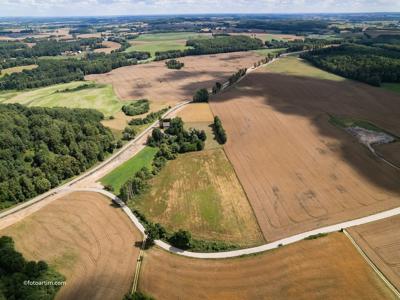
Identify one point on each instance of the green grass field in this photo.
(200, 192)
(294, 66)
(16, 69)
(163, 41)
(100, 97)
(120, 175)
(394, 87)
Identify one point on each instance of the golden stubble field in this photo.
(87, 240)
(161, 85)
(325, 268)
(380, 240)
(299, 171)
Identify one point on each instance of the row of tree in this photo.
(301, 45)
(150, 118)
(372, 65)
(219, 130)
(41, 147)
(15, 270)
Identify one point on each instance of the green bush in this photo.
(201, 96)
(137, 107)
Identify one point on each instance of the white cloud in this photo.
(135, 7)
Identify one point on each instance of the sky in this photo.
(151, 7)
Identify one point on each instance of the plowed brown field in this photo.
(162, 85)
(380, 240)
(325, 268)
(299, 171)
(87, 240)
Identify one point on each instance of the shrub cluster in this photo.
(219, 131)
(137, 107)
(201, 95)
(174, 64)
(150, 118)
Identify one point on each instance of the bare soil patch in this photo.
(86, 239)
(325, 268)
(299, 171)
(165, 86)
(380, 240)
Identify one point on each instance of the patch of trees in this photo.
(201, 95)
(11, 63)
(42, 147)
(51, 71)
(174, 64)
(135, 108)
(150, 118)
(285, 26)
(371, 65)
(218, 44)
(81, 87)
(219, 130)
(14, 270)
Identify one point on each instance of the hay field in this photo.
(200, 192)
(87, 240)
(325, 268)
(299, 171)
(164, 86)
(380, 240)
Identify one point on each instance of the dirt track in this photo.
(299, 171)
(381, 242)
(162, 85)
(326, 268)
(87, 240)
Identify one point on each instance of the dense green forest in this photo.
(300, 45)
(15, 270)
(41, 147)
(217, 44)
(52, 71)
(372, 65)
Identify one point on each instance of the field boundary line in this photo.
(372, 265)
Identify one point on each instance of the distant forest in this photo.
(42, 147)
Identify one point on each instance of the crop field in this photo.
(16, 70)
(380, 240)
(110, 46)
(87, 240)
(100, 97)
(200, 192)
(125, 171)
(304, 270)
(163, 86)
(299, 171)
(164, 41)
(272, 36)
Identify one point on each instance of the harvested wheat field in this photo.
(87, 240)
(325, 268)
(159, 84)
(299, 171)
(110, 46)
(380, 240)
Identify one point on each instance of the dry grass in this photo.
(200, 192)
(299, 171)
(167, 87)
(381, 242)
(85, 239)
(325, 268)
(196, 112)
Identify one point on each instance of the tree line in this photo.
(42, 147)
(300, 45)
(217, 44)
(219, 130)
(15, 270)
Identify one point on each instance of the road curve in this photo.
(247, 251)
